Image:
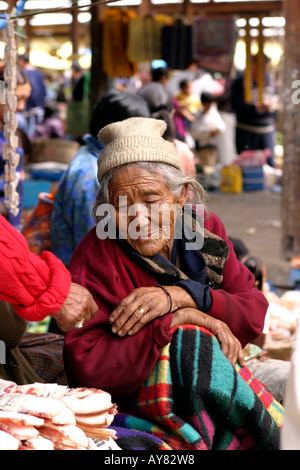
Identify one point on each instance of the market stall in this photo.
(52, 417)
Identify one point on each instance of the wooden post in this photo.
(291, 132)
(248, 73)
(28, 35)
(98, 77)
(144, 8)
(261, 64)
(75, 32)
(11, 5)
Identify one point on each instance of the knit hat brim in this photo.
(135, 140)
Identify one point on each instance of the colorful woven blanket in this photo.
(195, 399)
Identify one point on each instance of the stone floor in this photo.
(255, 218)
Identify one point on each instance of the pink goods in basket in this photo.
(252, 158)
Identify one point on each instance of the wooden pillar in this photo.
(144, 8)
(75, 32)
(248, 72)
(261, 64)
(98, 77)
(291, 132)
(11, 5)
(28, 35)
(188, 11)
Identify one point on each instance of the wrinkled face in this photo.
(145, 210)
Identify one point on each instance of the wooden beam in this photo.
(28, 33)
(75, 33)
(239, 8)
(291, 133)
(187, 9)
(222, 8)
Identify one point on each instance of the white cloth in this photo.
(273, 373)
(225, 141)
(205, 123)
(290, 435)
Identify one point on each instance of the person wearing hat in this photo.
(71, 217)
(160, 271)
(255, 121)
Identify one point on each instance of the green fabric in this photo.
(15, 367)
(79, 112)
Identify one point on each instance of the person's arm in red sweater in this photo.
(38, 286)
(238, 304)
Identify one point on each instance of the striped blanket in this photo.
(195, 399)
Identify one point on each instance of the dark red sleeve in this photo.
(241, 306)
(94, 356)
(36, 286)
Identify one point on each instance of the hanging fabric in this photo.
(177, 45)
(115, 38)
(144, 39)
(79, 112)
(214, 42)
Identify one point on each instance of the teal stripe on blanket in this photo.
(178, 355)
(200, 401)
(196, 358)
(227, 385)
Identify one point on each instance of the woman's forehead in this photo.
(136, 177)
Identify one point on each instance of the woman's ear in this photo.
(183, 195)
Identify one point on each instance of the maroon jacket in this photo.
(94, 357)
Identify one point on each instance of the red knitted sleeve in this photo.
(36, 286)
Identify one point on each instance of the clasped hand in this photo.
(141, 306)
(144, 304)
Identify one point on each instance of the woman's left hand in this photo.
(230, 345)
(140, 307)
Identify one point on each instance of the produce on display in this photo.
(50, 416)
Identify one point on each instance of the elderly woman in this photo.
(174, 302)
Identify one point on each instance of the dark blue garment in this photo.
(193, 265)
(38, 89)
(246, 114)
(246, 140)
(74, 200)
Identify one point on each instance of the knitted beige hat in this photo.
(135, 140)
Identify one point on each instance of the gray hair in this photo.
(173, 178)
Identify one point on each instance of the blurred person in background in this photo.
(256, 122)
(35, 105)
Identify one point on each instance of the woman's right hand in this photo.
(79, 307)
(230, 345)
